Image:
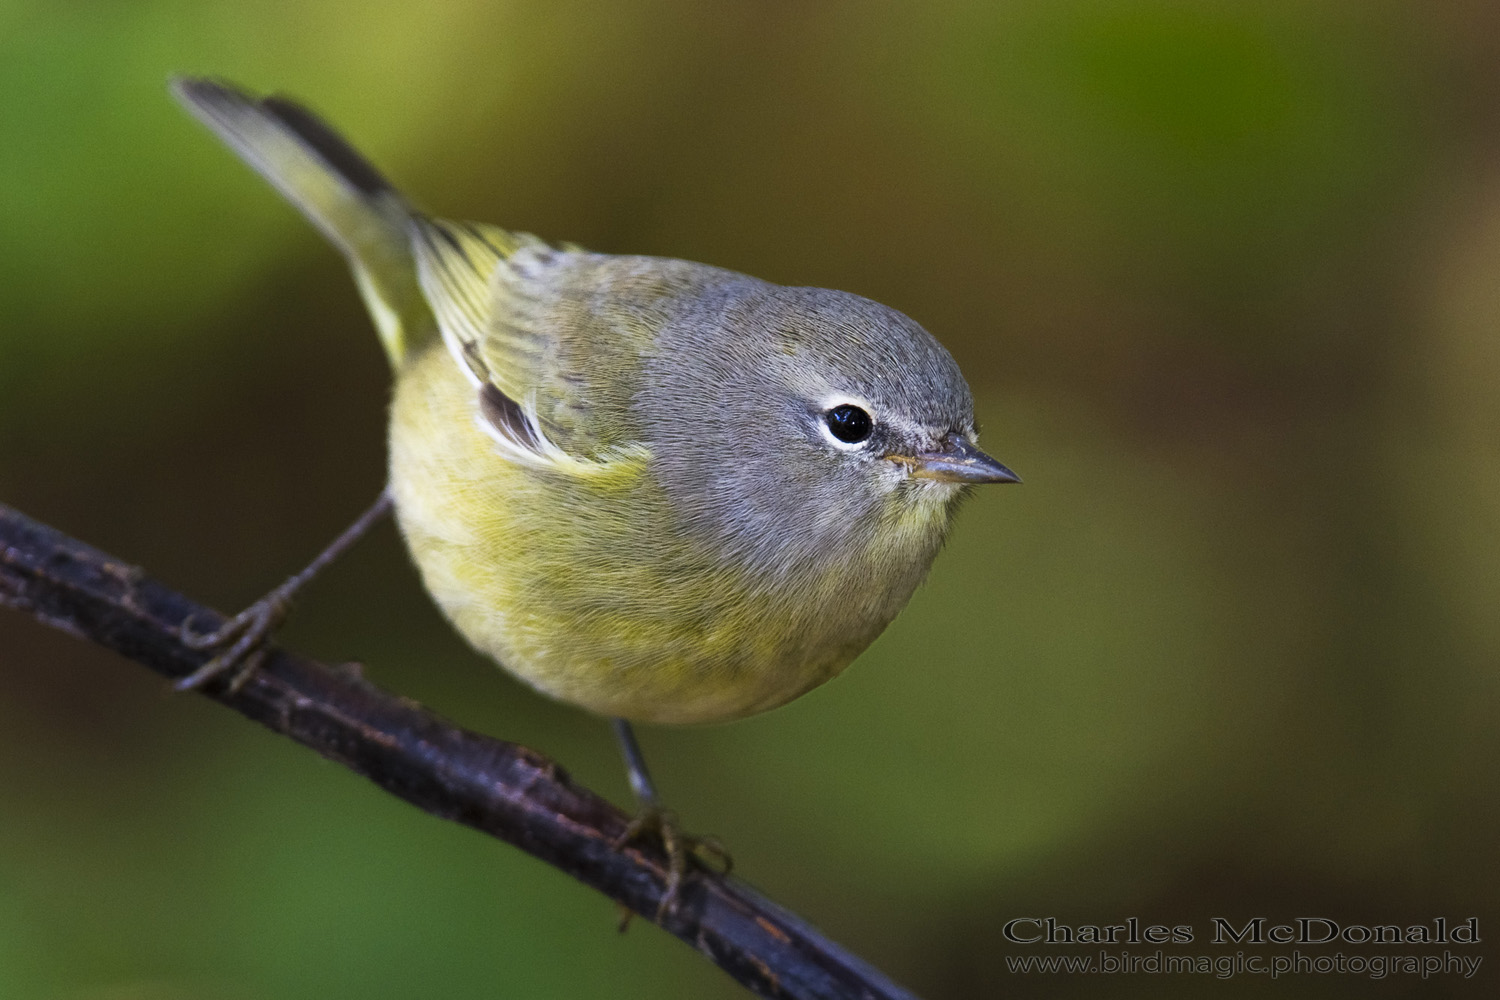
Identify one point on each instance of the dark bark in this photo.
(502, 789)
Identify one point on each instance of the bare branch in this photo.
(500, 788)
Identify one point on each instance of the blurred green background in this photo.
(1225, 279)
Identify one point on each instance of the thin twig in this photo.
(500, 788)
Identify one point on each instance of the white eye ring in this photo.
(835, 402)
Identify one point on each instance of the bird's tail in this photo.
(336, 188)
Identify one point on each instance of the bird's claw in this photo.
(240, 642)
(679, 846)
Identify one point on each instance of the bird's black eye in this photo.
(849, 423)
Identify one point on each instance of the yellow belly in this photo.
(588, 589)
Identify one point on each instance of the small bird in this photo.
(658, 490)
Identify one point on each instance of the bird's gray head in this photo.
(802, 426)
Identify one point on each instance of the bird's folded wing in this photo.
(553, 372)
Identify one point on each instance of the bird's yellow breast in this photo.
(588, 588)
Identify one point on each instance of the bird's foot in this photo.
(679, 846)
(239, 644)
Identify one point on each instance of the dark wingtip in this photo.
(506, 416)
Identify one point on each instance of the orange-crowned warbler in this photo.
(658, 490)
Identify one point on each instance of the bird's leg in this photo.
(240, 643)
(654, 818)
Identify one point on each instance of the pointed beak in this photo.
(959, 462)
